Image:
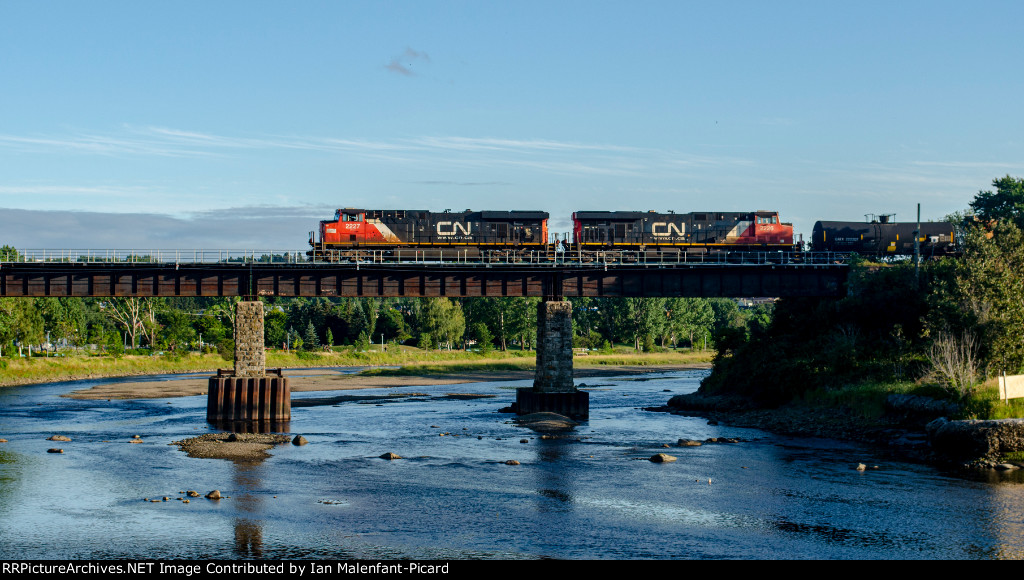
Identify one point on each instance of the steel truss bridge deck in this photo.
(252, 273)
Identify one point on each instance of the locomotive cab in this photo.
(769, 230)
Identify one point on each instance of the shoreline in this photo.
(333, 379)
(969, 446)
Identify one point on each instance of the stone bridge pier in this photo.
(553, 389)
(248, 399)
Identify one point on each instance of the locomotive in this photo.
(882, 237)
(429, 233)
(694, 232)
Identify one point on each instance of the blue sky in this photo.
(241, 124)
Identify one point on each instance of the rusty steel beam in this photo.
(105, 279)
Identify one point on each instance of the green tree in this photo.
(275, 323)
(982, 296)
(690, 318)
(178, 331)
(1006, 203)
(392, 325)
(20, 321)
(310, 341)
(362, 342)
(63, 318)
(484, 338)
(444, 321)
(644, 319)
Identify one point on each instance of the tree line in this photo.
(951, 323)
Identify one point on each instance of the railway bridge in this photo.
(556, 278)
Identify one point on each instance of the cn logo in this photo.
(452, 228)
(662, 229)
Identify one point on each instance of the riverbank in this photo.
(912, 427)
(36, 370)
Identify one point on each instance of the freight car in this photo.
(429, 234)
(694, 232)
(883, 237)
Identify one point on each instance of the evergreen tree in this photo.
(310, 341)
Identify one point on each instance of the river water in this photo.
(593, 495)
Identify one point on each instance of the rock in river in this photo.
(546, 422)
(662, 458)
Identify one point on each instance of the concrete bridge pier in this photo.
(248, 400)
(553, 389)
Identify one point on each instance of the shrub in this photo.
(226, 349)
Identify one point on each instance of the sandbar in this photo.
(341, 379)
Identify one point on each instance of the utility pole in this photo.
(917, 247)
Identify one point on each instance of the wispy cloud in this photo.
(545, 155)
(99, 145)
(404, 64)
(465, 183)
(72, 190)
(1000, 166)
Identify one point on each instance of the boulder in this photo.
(58, 438)
(55, 451)
(299, 440)
(546, 422)
(390, 455)
(511, 462)
(662, 458)
(976, 439)
(689, 443)
(915, 409)
(215, 494)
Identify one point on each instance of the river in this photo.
(593, 495)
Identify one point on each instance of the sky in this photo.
(241, 124)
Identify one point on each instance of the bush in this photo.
(226, 349)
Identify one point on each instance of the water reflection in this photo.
(248, 483)
(248, 538)
(554, 476)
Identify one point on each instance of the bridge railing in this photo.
(453, 257)
(193, 256)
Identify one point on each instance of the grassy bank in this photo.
(412, 361)
(868, 399)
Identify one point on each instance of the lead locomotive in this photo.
(466, 233)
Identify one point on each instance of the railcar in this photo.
(390, 232)
(882, 237)
(694, 232)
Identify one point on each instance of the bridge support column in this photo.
(553, 389)
(248, 396)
